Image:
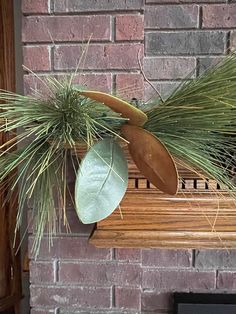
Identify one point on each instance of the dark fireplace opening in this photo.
(204, 303)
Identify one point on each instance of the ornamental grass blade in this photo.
(101, 181)
(135, 115)
(152, 158)
(197, 123)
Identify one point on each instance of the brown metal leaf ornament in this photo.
(152, 158)
(135, 116)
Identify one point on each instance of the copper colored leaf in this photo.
(135, 116)
(152, 158)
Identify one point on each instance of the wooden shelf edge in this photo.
(10, 301)
(163, 239)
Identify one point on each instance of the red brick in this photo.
(128, 298)
(205, 63)
(164, 88)
(101, 5)
(94, 297)
(156, 302)
(181, 280)
(100, 82)
(36, 311)
(129, 255)
(219, 16)
(71, 248)
(35, 6)
(34, 84)
(233, 41)
(171, 17)
(76, 227)
(109, 56)
(71, 184)
(168, 68)
(42, 272)
(130, 85)
(167, 258)
(226, 280)
(129, 27)
(37, 58)
(66, 28)
(175, 43)
(215, 259)
(100, 274)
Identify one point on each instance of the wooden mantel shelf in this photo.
(201, 215)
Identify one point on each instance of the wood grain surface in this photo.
(201, 215)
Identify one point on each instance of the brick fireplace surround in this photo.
(172, 37)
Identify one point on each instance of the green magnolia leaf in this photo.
(101, 181)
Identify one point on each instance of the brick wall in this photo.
(75, 277)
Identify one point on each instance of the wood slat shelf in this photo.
(201, 215)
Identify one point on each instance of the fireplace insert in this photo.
(201, 303)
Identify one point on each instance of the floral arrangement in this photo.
(195, 126)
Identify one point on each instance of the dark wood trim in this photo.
(10, 271)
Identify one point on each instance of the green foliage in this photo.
(48, 128)
(197, 122)
(101, 182)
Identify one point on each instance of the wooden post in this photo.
(10, 271)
